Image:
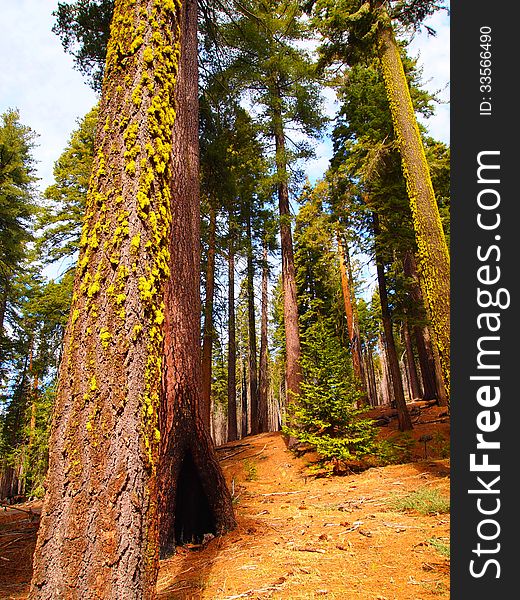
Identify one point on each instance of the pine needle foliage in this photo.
(326, 414)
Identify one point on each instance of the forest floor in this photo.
(378, 534)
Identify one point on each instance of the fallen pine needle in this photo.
(310, 550)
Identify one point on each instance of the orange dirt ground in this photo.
(299, 536)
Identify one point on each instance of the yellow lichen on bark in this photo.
(433, 254)
(106, 417)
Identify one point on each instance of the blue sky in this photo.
(38, 78)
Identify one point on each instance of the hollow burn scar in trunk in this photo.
(193, 515)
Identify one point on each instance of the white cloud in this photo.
(37, 77)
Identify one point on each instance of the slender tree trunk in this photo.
(352, 326)
(252, 354)
(98, 535)
(371, 377)
(405, 423)
(3, 308)
(415, 389)
(232, 350)
(193, 498)
(434, 262)
(290, 306)
(244, 431)
(263, 419)
(207, 339)
(385, 382)
(443, 399)
(426, 363)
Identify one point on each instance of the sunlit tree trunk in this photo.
(232, 351)
(263, 412)
(405, 423)
(207, 338)
(98, 536)
(251, 321)
(290, 306)
(352, 325)
(433, 255)
(415, 390)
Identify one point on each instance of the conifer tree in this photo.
(113, 447)
(355, 29)
(281, 78)
(17, 209)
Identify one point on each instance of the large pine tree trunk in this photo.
(290, 305)
(434, 260)
(193, 498)
(263, 412)
(405, 423)
(232, 347)
(98, 537)
(207, 338)
(433, 386)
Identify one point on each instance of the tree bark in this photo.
(251, 320)
(245, 419)
(352, 326)
(368, 361)
(433, 386)
(207, 338)
(385, 382)
(98, 536)
(290, 305)
(426, 363)
(193, 497)
(232, 348)
(263, 412)
(405, 423)
(434, 260)
(415, 389)
(3, 308)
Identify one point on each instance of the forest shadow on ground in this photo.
(199, 568)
